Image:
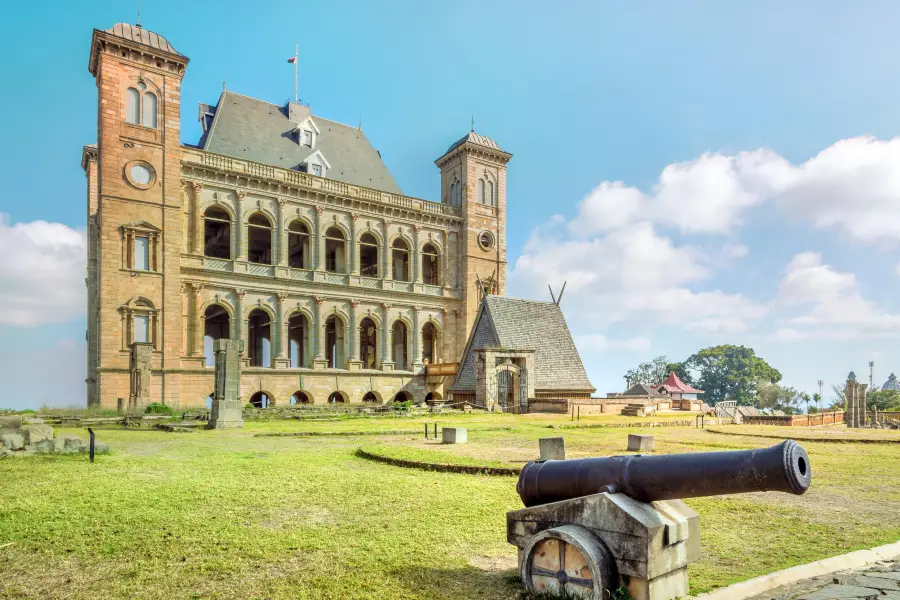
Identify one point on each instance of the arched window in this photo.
(216, 233)
(216, 326)
(141, 106)
(149, 110)
(368, 343)
(370, 397)
(431, 265)
(429, 343)
(334, 250)
(334, 342)
(458, 194)
(298, 341)
(368, 255)
(299, 397)
(298, 245)
(490, 200)
(133, 106)
(261, 400)
(259, 239)
(260, 337)
(400, 258)
(481, 198)
(401, 362)
(452, 199)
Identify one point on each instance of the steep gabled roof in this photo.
(251, 129)
(673, 384)
(639, 389)
(526, 325)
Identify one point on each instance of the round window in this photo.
(486, 240)
(141, 174)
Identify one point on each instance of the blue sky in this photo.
(593, 93)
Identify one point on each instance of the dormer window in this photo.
(317, 170)
(315, 164)
(306, 132)
(307, 138)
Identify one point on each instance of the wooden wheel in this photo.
(568, 559)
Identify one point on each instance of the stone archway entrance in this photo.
(512, 387)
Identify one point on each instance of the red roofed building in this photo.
(680, 393)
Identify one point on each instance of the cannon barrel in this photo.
(780, 468)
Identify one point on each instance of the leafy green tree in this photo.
(883, 400)
(777, 397)
(681, 370)
(817, 400)
(652, 372)
(840, 398)
(729, 372)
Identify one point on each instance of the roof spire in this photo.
(473, 122)
(139, 13)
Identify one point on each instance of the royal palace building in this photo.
(280, 228)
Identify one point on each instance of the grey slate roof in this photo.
(475, 138)
(142, 36)
(639, 389)
(526, 325)
(254, 130)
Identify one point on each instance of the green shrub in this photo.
(155, 408)
(249, 406)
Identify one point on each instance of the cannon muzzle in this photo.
(780, 468)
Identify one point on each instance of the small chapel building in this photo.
(519, 351)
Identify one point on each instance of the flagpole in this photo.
(296, 85)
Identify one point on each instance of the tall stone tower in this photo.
(473, 176)
(134, 217)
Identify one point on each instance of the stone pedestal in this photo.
(227, 411)
(553, 448)
(640, 443)
(141, 362)
(609, 540)
(454, 435)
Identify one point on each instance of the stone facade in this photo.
(308, 330)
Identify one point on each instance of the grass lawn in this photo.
(227, 514)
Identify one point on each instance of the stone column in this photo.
(280, 235)
(196, 321)
(416, 256)
(280, 326)
(354, 246)
(388, 273)
(239, 321)
(197, 234)
(317, 330)
(354, 335)
(319, 242)
(417, 363)
(387, 359)
(241, 237)
(861, 404)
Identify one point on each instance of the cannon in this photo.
(592, 525)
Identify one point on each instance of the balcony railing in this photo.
(306, 180)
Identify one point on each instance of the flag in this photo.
(292, 59)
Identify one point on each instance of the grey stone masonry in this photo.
(640, 443)
(454, 435)
(553, 448)
(880, 581)
(227, 411)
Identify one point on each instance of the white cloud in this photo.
(831, 302)
(597, 343)
(42, 270)
(853, 185)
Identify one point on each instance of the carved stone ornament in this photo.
(320, 210)
(282, 202)
(385, 306)
(241, 194)
(354, 216)
(240, 293)
(281, 296)
(319, 300)
(354, 303)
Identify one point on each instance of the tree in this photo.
(883, 400)
(652, 372)
(840, 401)
(729, 372)
(777, 397)
(817, 400)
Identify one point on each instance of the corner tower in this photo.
(134, 217)
(473, 177)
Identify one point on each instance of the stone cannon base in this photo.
(605, 541)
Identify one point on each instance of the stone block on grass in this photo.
(553, 448)
(36, 433)
(640, 443)
(454, 435)
(11, 422)
(12, 441)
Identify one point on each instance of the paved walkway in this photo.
(880, 581)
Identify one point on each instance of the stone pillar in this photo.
(239, 322)
(197, 233)
(317, 330)
(140, 371)
(416, 256)
(861, 404)
(387, 362)
(196, 327)
(354, 247)
(319, 243)
(388, 272)
(851, 414)
(280, 235)
(417, 363)
(226, 406)
(354, 334)
(280, 361)
(241, 237)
